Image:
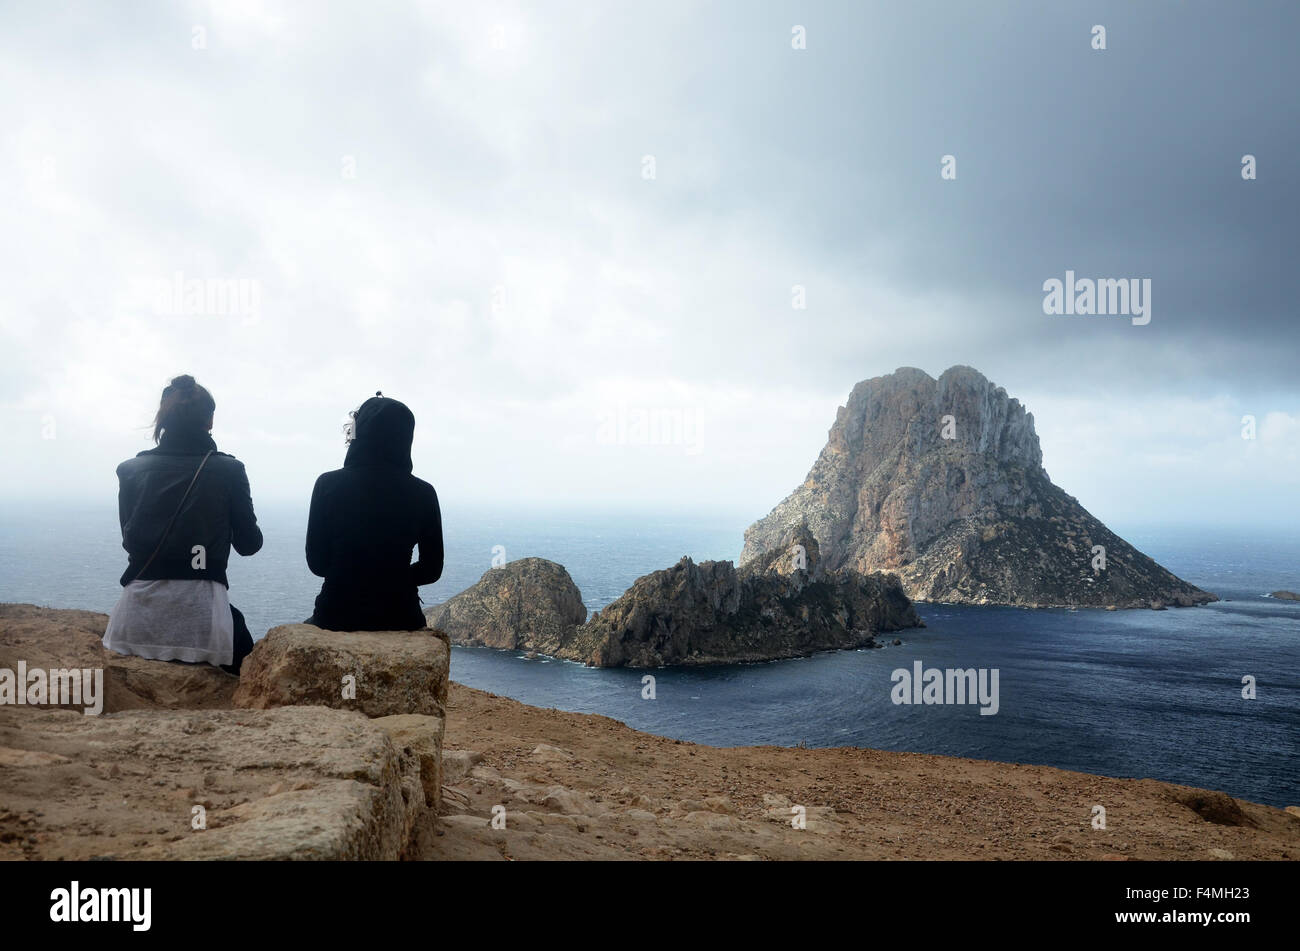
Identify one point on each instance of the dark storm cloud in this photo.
(1117, 163)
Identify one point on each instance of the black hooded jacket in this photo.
(365, 520)
(218, 512)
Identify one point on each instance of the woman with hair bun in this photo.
(183, 505)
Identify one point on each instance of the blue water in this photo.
(1129, 693)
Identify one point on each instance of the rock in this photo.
(472, 823)
(1285, 595)
(392, 672)
(783, 604)
(550, 754)
(711, 613)
(527, 604)
(49, 638)
(713, 820)
(720, 804)
(1293, 810)
(567, 802)
(970, 519)
(421, 736)
(1212, 806)
(29, 758)
(344, 791)
(1221, 854)
(297, 783)
(456, 764)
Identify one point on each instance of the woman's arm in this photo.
(246, 537)
(318, 546)
(429, 568)
(123, 504)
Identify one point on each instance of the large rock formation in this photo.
(292, 783)
(710, 613)
(169, 770)
(526, 604)
(942, 482)
(782, 605)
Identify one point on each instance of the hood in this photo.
(382, 436)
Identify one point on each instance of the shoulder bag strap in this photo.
(172, 520)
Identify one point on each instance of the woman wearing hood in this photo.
(365, 520)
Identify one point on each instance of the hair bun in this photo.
(184, 382)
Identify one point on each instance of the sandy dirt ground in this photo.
(578, 786)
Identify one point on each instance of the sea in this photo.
(1139, 694)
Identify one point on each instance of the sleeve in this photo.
(123, 506)
(318, 544)
(246, 537)
(429, 568)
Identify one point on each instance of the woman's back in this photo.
(217, 513)
(182, 505)
(366, 519)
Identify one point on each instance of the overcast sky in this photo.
(537, 223)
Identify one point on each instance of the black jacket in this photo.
(217, 514)
(365, 521)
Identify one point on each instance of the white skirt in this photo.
(173, 619)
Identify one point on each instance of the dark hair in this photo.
(185, 407)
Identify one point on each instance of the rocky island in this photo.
(527, 604)
(784, 604)
(942, 482)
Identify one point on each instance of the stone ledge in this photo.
(290, 783)
(394, 672)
